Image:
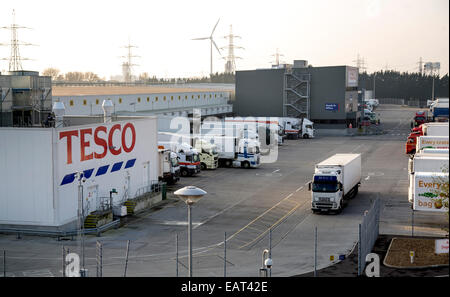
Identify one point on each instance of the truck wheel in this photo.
(246, 165)
(203, 166)
(227, 163)
(184, 173)
(305, 136)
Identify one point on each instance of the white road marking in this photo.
(299, 189)
(276, 170)
(367, 178)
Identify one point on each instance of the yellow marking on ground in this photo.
(257, 218)
(267, 230)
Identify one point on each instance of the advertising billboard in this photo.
(428, 191)
(352, 77)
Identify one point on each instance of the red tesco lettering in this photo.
(100, 140)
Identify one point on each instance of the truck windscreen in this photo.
(328, 187)
(325, 184)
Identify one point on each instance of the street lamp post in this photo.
(190, 195)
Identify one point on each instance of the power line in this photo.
(15, 59)
(230, 65)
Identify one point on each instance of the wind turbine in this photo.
(211, 42)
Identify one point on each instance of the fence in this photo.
(368, 233)
(397, 101)
(112, 257)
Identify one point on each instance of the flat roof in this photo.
(123, 90)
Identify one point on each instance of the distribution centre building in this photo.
(38, 168)
(328, 96)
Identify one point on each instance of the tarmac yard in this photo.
(258, 209)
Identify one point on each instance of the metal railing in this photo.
(153, 187)
(60, 233)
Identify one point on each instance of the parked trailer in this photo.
(423, 162)
(427, 192)
(235, 151)
(335, 181)
(437, 142)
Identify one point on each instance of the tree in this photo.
(74, 76)
(53, 72)
(90, 77)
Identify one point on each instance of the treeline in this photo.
(71, 76)
(215, 78)
(409, 86)
(143, 78)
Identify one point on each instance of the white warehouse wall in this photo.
(26, 177)
(35, 162)
(92, 104)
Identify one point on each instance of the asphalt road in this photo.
(247, 204)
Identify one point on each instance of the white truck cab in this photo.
(169, 168)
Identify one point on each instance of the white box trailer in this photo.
(425, 162)
(437, 142)
(335, 180)
(435, 130)
(427, 191)
(38, 168)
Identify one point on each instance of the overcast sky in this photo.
(88, 35)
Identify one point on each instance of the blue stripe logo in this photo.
(102, 170)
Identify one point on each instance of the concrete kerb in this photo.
(407, 267)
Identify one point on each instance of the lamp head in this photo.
(190, 194)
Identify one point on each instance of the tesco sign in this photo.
(96, 143)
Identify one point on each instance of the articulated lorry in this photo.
(428, 129)
(424, 162)
(261, 126)
(188, 157)
(335, 181)
(235, 151)
(207, 153)
(297, 127)
(169, 168)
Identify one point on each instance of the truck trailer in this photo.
(427, 193)
(335, 181)
(436, 142)
(424, 162)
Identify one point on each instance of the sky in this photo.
(90, 35)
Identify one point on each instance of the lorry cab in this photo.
(411, 143)
(209, 157)
(248, 154)
(419, 119)
(307, 129)
(327, 190)
(169, 169)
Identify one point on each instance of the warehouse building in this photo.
(328, 96)
(145, 100)
(40, 167)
